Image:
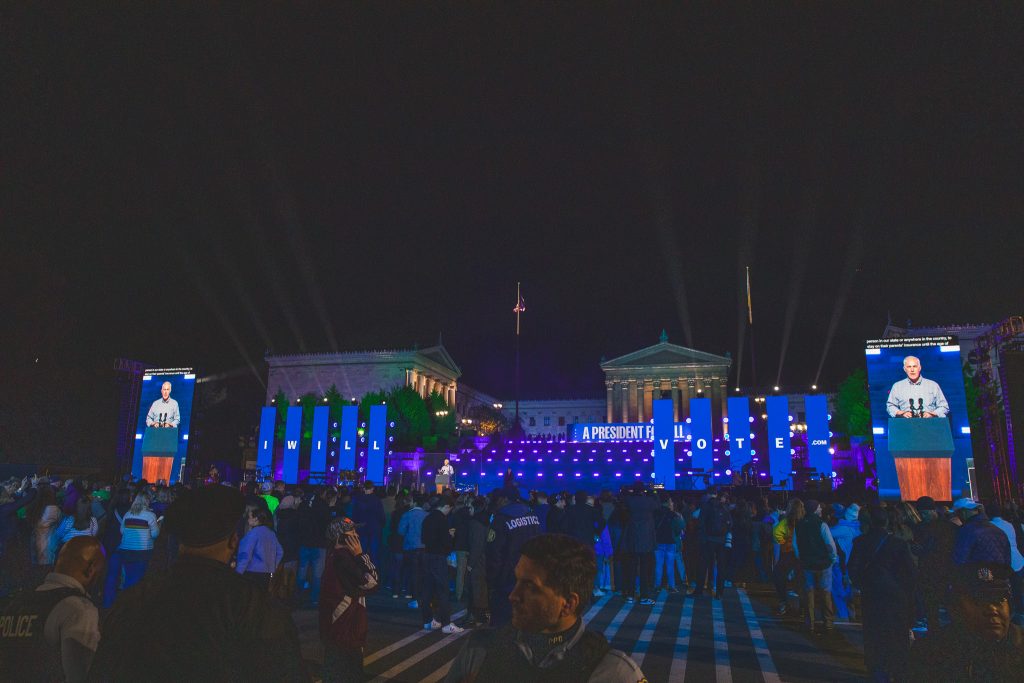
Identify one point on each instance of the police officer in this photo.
(51, 633)
(211, 623)
(512, 524)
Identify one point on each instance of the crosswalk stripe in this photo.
(385, 651)
(764, 656)
(723, 671)
(418, 657)
(595, 608)
(439, 674)
(677, 674)
(616, 623)
(647, 634)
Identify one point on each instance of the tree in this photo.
(409, 413)
(489, 421)
(281, 402)
(853, 412)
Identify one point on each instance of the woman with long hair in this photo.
(783, 534)
(43, 515)
(138, 529)
(259, 552)
(81, 523)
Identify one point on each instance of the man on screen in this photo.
(164, 411)
(916, 396)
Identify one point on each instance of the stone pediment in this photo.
(665, 354)
(438, 354)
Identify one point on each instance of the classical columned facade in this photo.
(634, 381)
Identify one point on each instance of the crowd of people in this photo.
(224, 564)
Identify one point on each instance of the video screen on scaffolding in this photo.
(162, 425)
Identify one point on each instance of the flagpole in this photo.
(518, 313)
(750, 323)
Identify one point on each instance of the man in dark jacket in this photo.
(978, 540)
(437, 543)
(215, 625)
(583, 522)
(814, 546)
(541, 508)
(312, 521)
(368, 514)
(933, 545)
(476, 568)
(512, 525)
(882, 567)
(639, 543)
(981, 643)
(714, 522)
(460, 518)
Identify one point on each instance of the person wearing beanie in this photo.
(214, 624)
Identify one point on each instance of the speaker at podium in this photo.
(921, 449)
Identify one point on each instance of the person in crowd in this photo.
(214, 624)
(981, 643)
(476, 567)
(272, 501)
(259, 552)
(934, 539)
(815, 549)
(368, 514)
(843, 533)
(14, 560)
(81, 523)
(903, 519)
(394, 546)
(349, 576)
(313, 518)
(62, 622)
(541, 508)
(882, 568)
(546, 639)
(638, 544)
(437, 536)
(978, 540)
(715, 526)
(583, 521)
(286, 521)
(138, 529)
(43, 516)
(787, 561)
(742, 544)
(512, 525)
(999, 514)
(604, 552)
(119, 505)
(410, 527)
(762, 546)
(665, 552)
(557, 521)
(460, 518)
(617, 525)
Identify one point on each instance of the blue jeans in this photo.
(665, 561)
(314, 558)
(820, 579)
(134, 564)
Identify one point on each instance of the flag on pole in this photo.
(750, 309)
(520, 307)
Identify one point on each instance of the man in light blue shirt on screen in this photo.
(164, 411)
(905, 395)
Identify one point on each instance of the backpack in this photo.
(717, 520)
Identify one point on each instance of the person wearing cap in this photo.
(882, 567)
(349, 576)
(933, 544)
(815, 548)
(214, 624)
(981, 643)
(978, 540)
(512, 525)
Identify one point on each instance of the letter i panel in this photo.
(318, 448)
(292, 434)
(265, 447)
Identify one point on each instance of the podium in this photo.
(921, 449)
(159, 448)
(442, 481)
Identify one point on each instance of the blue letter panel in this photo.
(818, 457)
(378, 444)
(664, 446)
(700, 427)
(349, 437)
(739, 434)
(780, 458)
(265, 448)
(318, 451)
(292, 434)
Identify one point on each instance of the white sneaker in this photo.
(451, 628)
(432, 626)
(598, 593)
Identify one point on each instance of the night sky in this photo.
(197, 187)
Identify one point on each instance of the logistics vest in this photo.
(23, 646)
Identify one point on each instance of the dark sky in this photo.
(195, 187)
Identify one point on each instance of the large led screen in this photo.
(161, 430)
